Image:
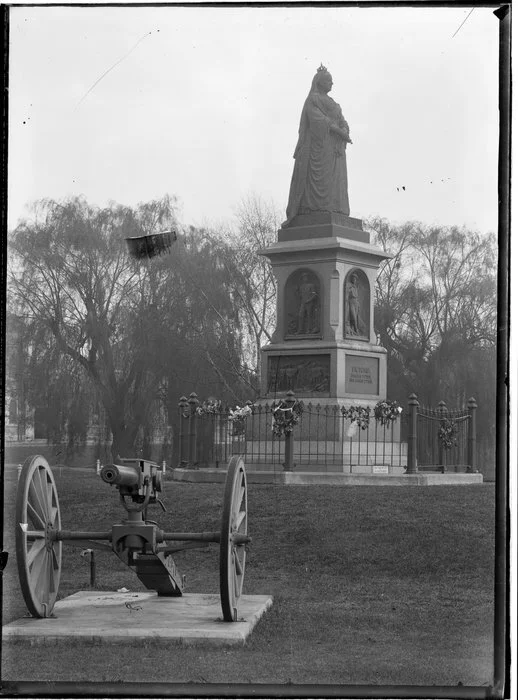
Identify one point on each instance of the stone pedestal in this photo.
(324, 346)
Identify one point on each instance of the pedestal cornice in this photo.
(291, 346)
(320, 249)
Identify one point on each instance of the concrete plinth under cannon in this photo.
(105, 617)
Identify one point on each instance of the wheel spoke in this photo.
(237, 502)
(42, 474)
(235, 588)
(34, 498)
(237, 565)
(54, 516)
(240, 518)
(49, 497)
(49, 575)
(37, 547)
(240, 493)
(35, 517)
(55, 559)
(43, 579)
(37, 567)
(237, 585)
(32, 535)
(53, 571)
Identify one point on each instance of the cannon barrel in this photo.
(120, 475)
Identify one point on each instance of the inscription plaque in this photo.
(300, 373)
(361, 375)
(380, 469)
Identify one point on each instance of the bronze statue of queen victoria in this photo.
(319, 181)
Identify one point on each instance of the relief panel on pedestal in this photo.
(302, 305)
(299, 373)
(357, 304)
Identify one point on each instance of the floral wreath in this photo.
(209, 406)
(387, 411)
(384, 412)
(358, 414)
(448, 433)
(285, 416)
(238, 418)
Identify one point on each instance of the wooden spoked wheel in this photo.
(37, 551)
(232, 550)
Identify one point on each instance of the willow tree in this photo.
(436, 313)
(70, 272)
(246, 278)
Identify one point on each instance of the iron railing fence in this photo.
(324, 439)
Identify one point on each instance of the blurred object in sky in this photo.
(153, 244)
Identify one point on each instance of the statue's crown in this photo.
(322, 68)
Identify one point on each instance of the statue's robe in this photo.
(319, 181)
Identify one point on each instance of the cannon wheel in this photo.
(232, 556)
(37, 519)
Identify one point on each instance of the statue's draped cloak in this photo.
(319, 181)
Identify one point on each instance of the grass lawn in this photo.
(371, 585)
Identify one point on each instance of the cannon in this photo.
(137, 541)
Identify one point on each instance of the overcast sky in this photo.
(128, 104)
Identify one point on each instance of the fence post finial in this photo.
(413, 405)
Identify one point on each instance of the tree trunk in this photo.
(120, 446)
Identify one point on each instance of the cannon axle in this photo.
(63, 535)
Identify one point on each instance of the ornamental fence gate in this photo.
(445, 440)
(327, 438)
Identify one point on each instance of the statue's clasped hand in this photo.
(343, 133)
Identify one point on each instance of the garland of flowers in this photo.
(209, 406)
(238, 418)
(285, 416)
(358, 414)
(387, 411)
(448, 433)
